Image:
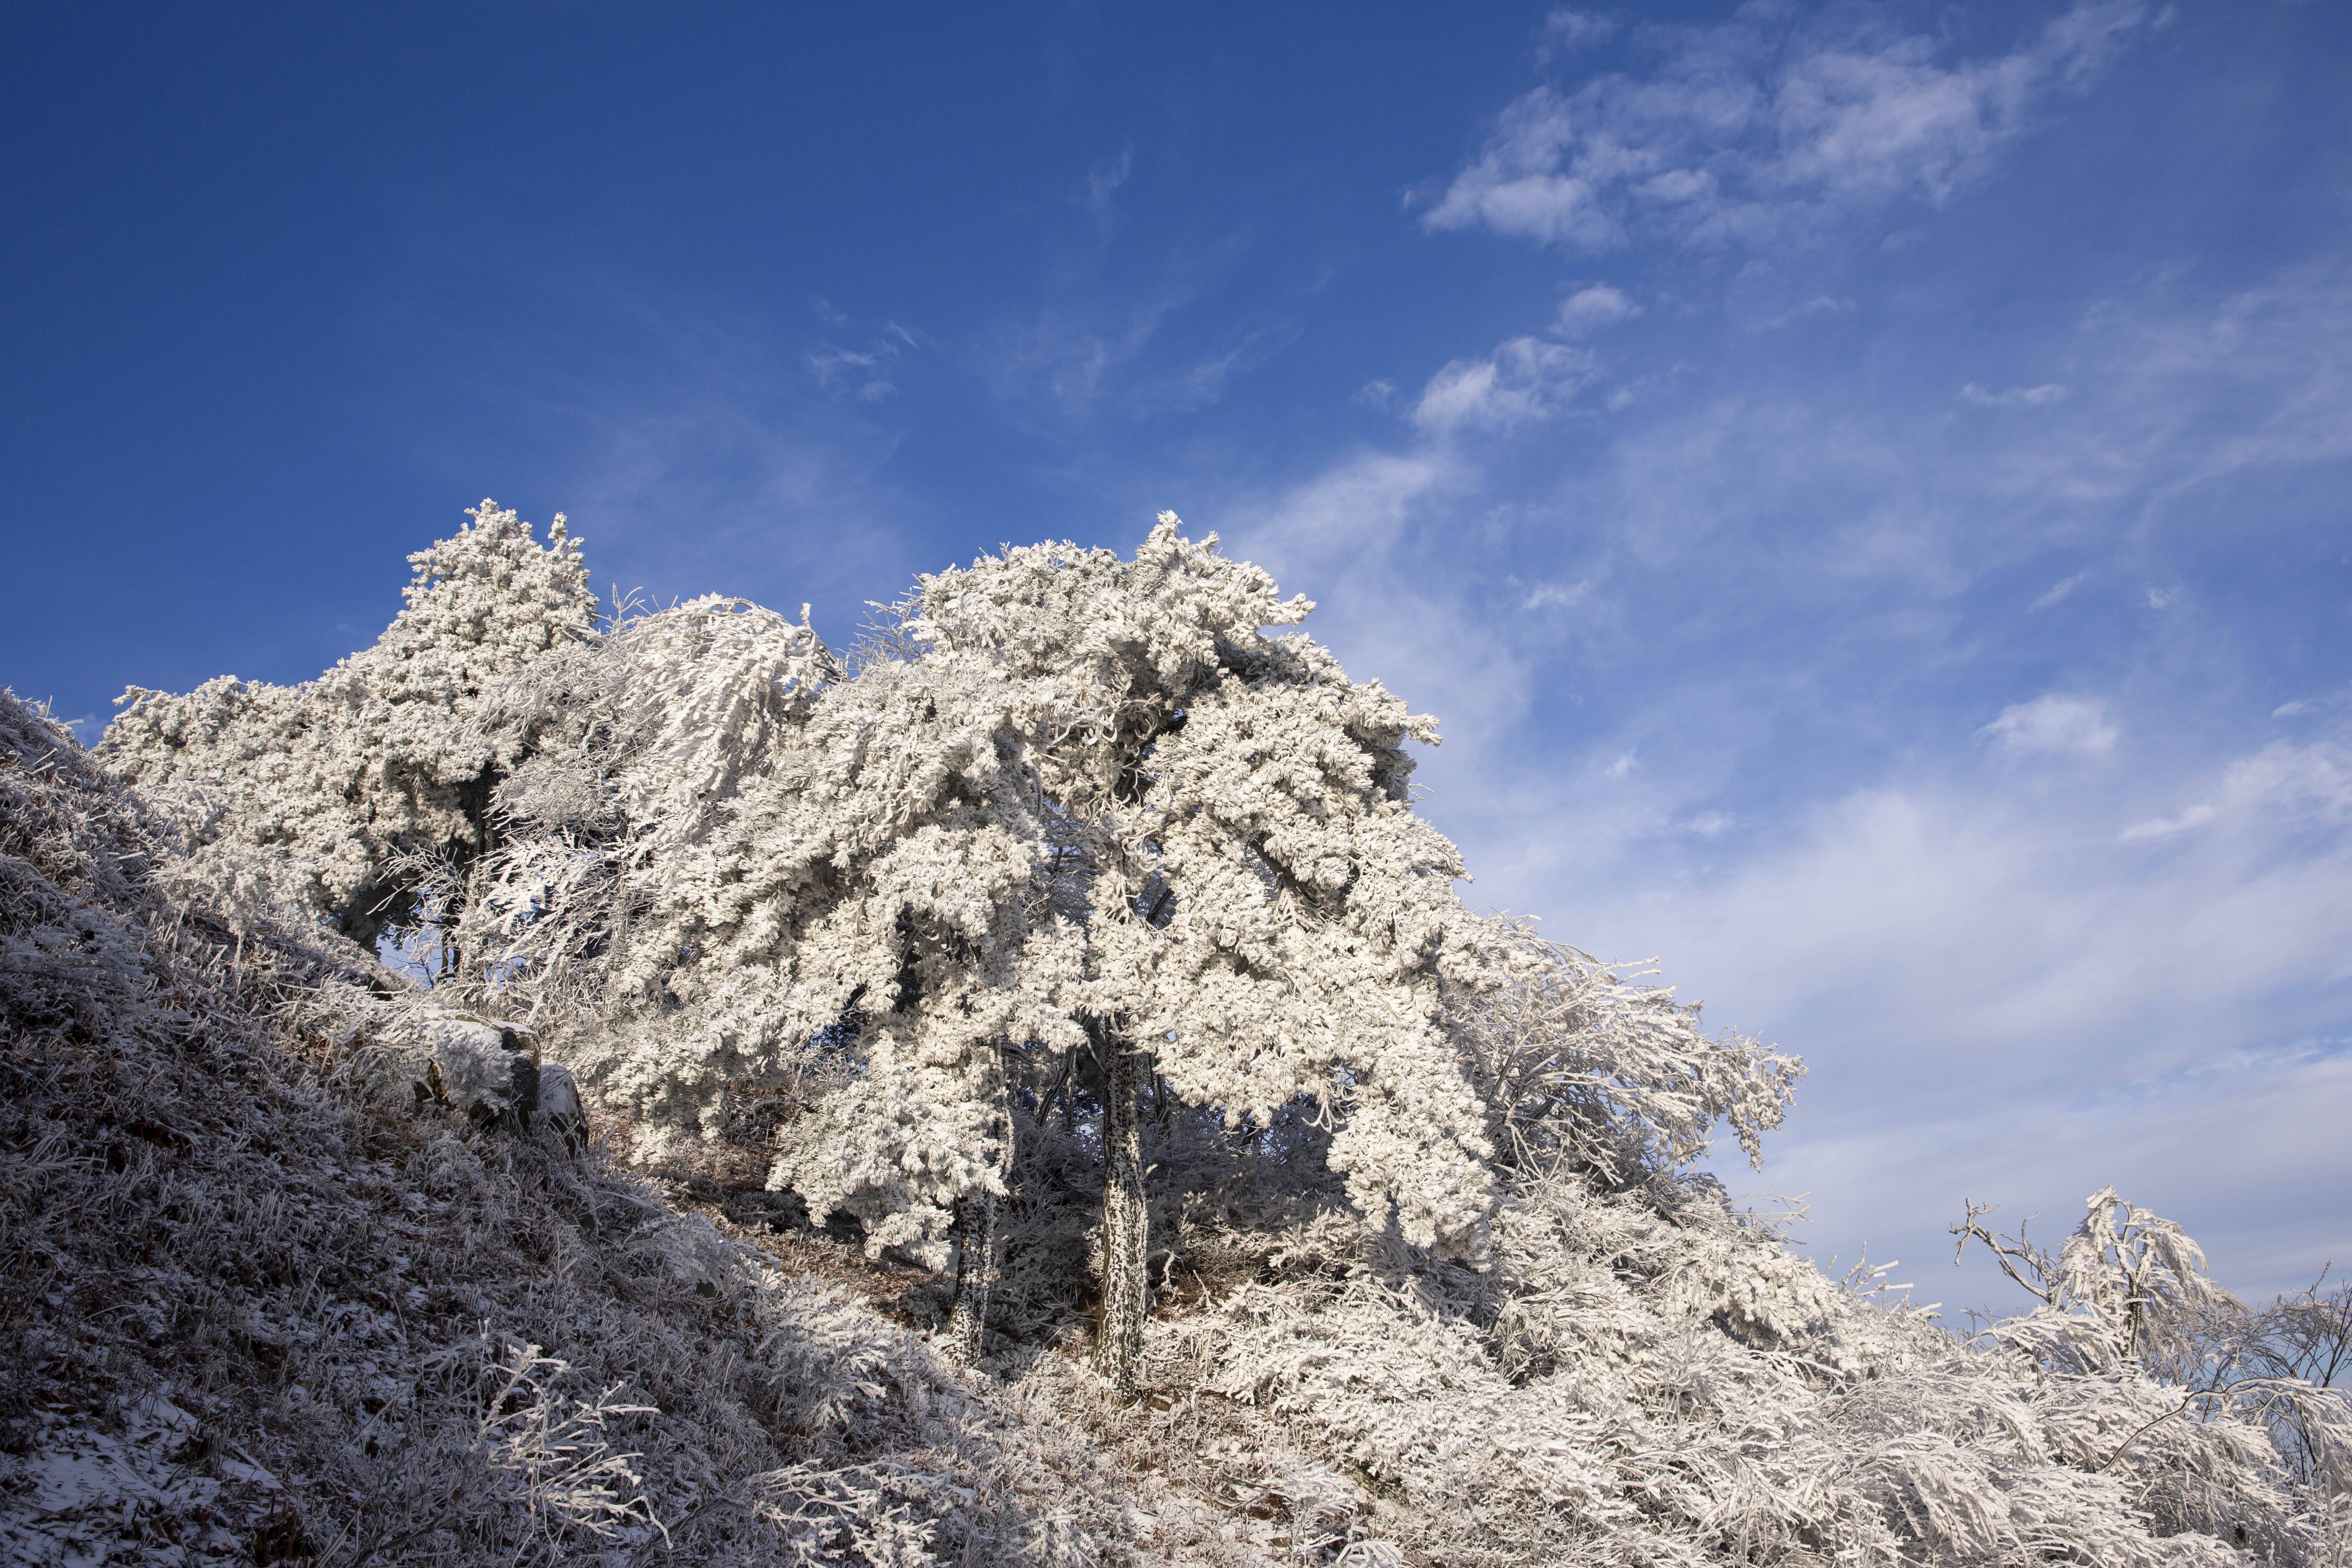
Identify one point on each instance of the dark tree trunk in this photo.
(975, 1270)
(1126, 1222)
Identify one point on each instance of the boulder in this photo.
(486, 1066)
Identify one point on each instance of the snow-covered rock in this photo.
(483, 1065)
(558, 1105)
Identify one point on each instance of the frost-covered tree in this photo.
(1084, 807)
(320, 799)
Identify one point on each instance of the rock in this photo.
(486, 1067)
(558, 1104)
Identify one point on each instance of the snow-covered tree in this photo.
(1088, 807)
(320, 798)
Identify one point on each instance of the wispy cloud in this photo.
(2291, 785)
(2053, 725)
(1751, 129)
(864, 372)
(1566, 30)
(2196, 387)
(2060, 591)
(1103, 182)
(2012, 396)
(1994, 1009)
(1557, 595)
(1136, 346)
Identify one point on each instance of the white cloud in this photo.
(1351, 513)
(2053, 724)
(2307, 786)
(1376, 393)
(2289, 709)
(2163, 598)
(2296, 787)
(1712, 824)
(2165, 828)
(863, 372)
(1589, 310)
(2193, 389)
(1565, 31)
(1747, 128)
(2059, 591)
(1557, 595)
(1994, 1005)
(2012, 397)
(1518, 187)
(1523, 380)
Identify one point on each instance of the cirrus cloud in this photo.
(2054, 724)
(1744, 130)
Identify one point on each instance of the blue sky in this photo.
(1864, 487)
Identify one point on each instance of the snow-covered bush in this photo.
(1580, 1065)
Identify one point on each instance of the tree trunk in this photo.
(1126, 1222)
(975, 1270)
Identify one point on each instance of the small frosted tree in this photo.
(321, 800)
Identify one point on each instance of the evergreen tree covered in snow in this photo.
(323, 798)
(1085, 807)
